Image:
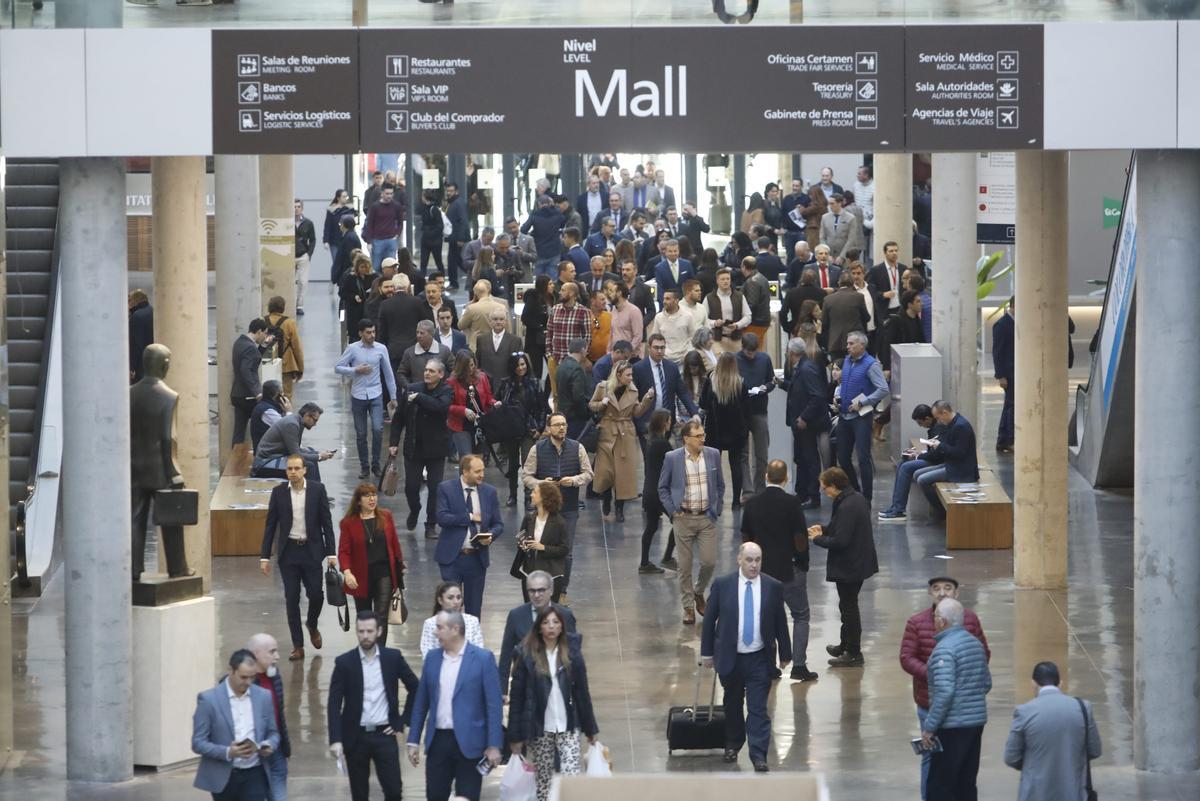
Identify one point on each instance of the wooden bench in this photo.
(977, 522)
(236, 529)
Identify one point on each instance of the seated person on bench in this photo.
(283, 440)
(956, 447)
(913, 461)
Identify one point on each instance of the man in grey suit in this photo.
(492, 350)
(841, 230)
(1053, 739)
(246, 390)
(691, 488)
(234, 731)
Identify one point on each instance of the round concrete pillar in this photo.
(277, 231)
(955, 314)
(893, 206)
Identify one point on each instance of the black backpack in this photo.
(276, 331)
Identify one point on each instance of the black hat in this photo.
(936, 579)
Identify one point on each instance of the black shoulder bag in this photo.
(1091, 793)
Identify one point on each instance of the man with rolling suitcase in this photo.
(743, 625)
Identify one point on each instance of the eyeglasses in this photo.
(694, 436)
(537, 590)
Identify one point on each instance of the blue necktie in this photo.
(748, 614)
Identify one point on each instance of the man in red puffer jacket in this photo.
(918, 644)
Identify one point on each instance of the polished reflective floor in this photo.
(851, 725)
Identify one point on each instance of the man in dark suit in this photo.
(593, 280)
(829, 275)
(774, 520)
(666, 195)
(1003, 333)
(956, 448)
(614, 212)
(843, 311)
(672, 271)
(396, 327)
(299, 514)
(246, 390)
(592, 202)
(539, 584)
(468, 512)
(492, 351)
(884, 280)
(424, 408)
(639, 294)
(363, 714)
(659, 373)
(692, 226)
(602, 240)
(456, 739)
(768, 264)
(807, 415)
(803, 260)
(743, 625)
(456, 213)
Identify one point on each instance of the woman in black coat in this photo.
(658, 442)
(850, 540)
(519, 390)
(542, 542)
(534, 317)
(723, 403)
(550, 660)
(354, 288)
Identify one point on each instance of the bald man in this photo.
(744, 622)
(266, 654)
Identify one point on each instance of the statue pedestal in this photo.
(174, 647)
(157, 589)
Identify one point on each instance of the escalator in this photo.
(31, 215)
(1101, 428)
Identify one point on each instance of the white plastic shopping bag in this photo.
(519, 782)
(597, 763)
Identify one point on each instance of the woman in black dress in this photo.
(722, 402)
(542, 539)
(519, 390)
(534, 316)
(353, 291)
(658, 442)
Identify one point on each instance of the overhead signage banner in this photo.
(689, 89)
(974, 87)
(285, 91)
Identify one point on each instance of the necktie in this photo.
(748, 614)
(472, 529)
(662, 386)
(824, 278)
(836, 217)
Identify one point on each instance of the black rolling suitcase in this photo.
(695, 727)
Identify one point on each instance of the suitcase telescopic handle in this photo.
(712, 698)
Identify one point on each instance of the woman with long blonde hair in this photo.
(723, 402)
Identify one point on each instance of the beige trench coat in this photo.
(618, 452)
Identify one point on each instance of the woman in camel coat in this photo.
(616, 403)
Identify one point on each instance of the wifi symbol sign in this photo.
(268, 226)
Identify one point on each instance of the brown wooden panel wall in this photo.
(139, 243)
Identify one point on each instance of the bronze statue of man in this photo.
(152, 458)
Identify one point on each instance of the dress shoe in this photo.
(847, 660)
(296, 655)
(431, 533)
(609, 518)
(314, 635)
(185, 574)
(563, 600)
(410, 522)
(760, 766)
(650, 567)
(511, 502)
(777, 674)
(736, 506)
(835, 650)
(375, 471)
(363, 473)
(582, 506)
(689, 617)
(730, 755)
(620, 515)
(802, 673)
(700, 604)
(811, 503)
(669, 563)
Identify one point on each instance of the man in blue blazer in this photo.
(302, 549)
(539, 584)
(363, 726)
(693, 509)
(1003, 340)
(602, 240)
(744, 624)
(956, 448)
(233, 731)
(659, 373)
(468, 512)
(671, 271)
(471, 731)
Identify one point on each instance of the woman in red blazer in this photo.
(370, 556)
(472, 397)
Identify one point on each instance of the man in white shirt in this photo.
(728, 313)
(864, 195)
(747, 606)
(676, 324)
(691, 302)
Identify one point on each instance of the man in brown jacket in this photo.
(287, 343)
(843, 311)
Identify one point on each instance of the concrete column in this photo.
(180, 242)
(571, 177)
(238, 280)
(1166, 499)
(89, 13)
(955, 315)
(277, 231)
(508, 177)
(96, 482)
(456, 172)
(358, 14)
(1040, 464)
(690, 183)
(1039, 634)
(739, 191)
(412, 185)
(893, 206)
(6, 666)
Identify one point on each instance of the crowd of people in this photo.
(608, 372)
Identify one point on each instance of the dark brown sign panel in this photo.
(291, 91)
(974, 87)
(690, 89)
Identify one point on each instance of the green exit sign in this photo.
(1112, 212)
